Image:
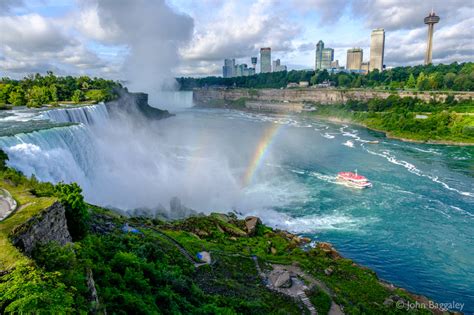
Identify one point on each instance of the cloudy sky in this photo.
(123, 39)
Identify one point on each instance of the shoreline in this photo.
(338, 120)
(387, 134)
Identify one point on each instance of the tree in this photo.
(17, 97)
(27, 290)
(411, 82)
(37, 96)
(97, 95)
(53, 91)
(77, 216)
(448, 80)
(422, 82)
(343, 80)
(78, 96)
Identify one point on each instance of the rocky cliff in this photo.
(205, 97)
(135, 104)
(49, 225)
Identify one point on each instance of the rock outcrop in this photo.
(49, 225)
(135, 104)
(251, 224)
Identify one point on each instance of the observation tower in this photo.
(431, 20)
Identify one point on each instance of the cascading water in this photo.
(87, 115)
(56, 154)
(59, 154)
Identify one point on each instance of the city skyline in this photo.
(71, 37)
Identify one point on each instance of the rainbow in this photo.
(260, 152)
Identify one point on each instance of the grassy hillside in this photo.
(149, 266)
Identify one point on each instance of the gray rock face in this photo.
(280, 278)
(178, 210)
(49, 225)
(251, 224)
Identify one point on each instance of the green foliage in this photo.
(411, 83)
(77, 96)
(77, 216)
(448, 121)
(27, 290)
(458, 77)
(97, 95)
(38, 96)
(321, 301)
(3, 160)
(36, 90)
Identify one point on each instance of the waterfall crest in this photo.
(87, 115)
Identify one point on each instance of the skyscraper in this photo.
(265, 60)
(277, 66)
(354, 59)
(431, 20)
(326, 58)
(228, 70)
(319, 55)
(377, 47)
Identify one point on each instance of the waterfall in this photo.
(57, 154)
(87, 115)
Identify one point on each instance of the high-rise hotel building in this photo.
(265, 60)
(354, 59)
(377, 47)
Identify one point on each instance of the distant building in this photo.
(335, 64)
(364, 67)
(277, 66)
(228, 70)
(354, 59)
(251, 71)
(254, 62)
(327, 58)
(265, 60)
(377, 47)
(241, 70)
(319, 55)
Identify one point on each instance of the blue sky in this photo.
(103, 37)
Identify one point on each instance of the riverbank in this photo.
(388, 134)
(424, 117)
(249, 267)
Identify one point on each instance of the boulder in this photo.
(329, 250)
(280, 278)
(328, 271)
(251, 224)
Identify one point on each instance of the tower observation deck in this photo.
(430, 20)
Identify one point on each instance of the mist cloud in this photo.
(152, 32)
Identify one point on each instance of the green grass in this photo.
(28, 206)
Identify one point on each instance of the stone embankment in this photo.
(291, 100)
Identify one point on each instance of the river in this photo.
(414, 227)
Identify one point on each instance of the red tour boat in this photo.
(353, 180)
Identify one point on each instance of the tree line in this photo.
(454, 77)
(37, 90)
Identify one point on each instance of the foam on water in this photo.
(414, 170)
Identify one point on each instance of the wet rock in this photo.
(280, 278)
(329, 250)
(178, 210)
(251, 224)
(329, 271)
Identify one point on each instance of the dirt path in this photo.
(183, 251)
